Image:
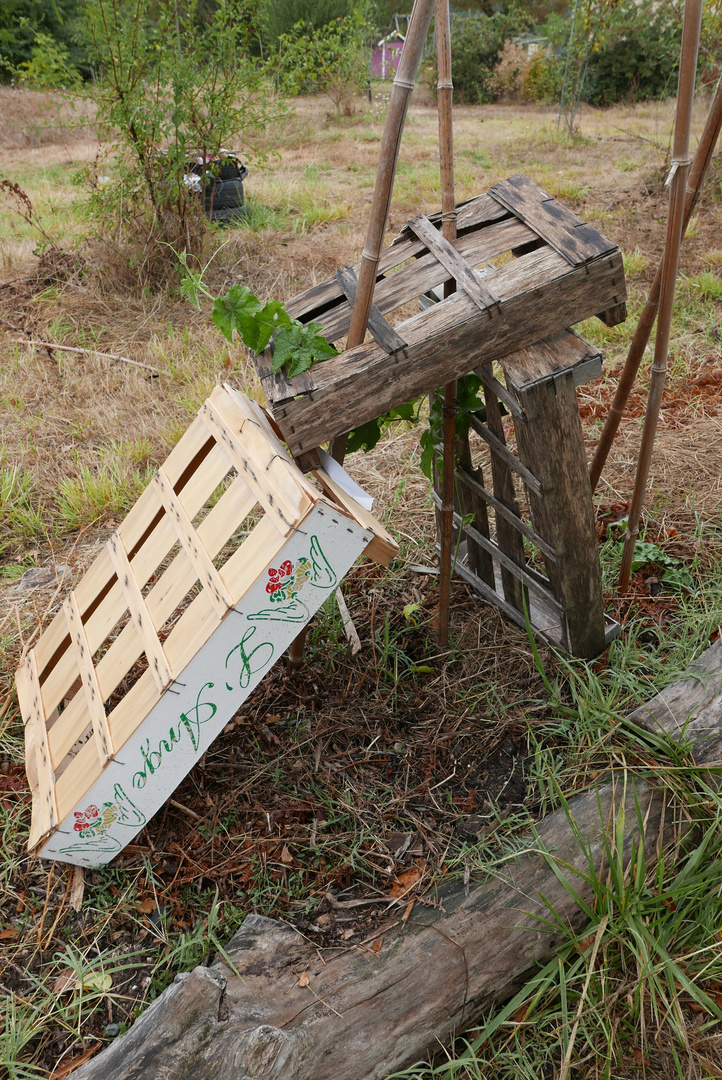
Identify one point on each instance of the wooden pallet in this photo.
(548, 473)
(220, 563)
(561, 271)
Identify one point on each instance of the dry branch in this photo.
(87, 352)
(283, 1011)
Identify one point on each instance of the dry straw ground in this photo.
(358, 773)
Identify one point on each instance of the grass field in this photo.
(317, 775)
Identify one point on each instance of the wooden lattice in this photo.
(226, 505)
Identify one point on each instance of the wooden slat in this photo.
(174, 584)
(197, 554)
(540, 295)
(576, 241)
(505, 512)
(152, 647)
(506, 456)
(78, 778)
(156, 546)
(553, 633)
(491, 383)
(93, 697)
(381, 330)
(552, 356)
(272, 479)
(37, 754)
(243, 568)
(64, 733)
(472, 215)
(383, 548)
(422, 274)
(449, 258)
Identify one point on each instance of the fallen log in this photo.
(275, 1008)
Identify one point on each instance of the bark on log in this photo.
(363, 1014)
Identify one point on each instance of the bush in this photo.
(477, 41)
(281, 16)
(173, 93)
(333, 60)
(542, 80)
(50, 66)
(634, 68)
(508, 76)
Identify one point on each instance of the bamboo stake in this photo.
(445, 93)
(675, 224)
(701, 162)
(388, 157)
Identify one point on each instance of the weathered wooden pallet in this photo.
(562, 271)
(549, 463)
(223, 559)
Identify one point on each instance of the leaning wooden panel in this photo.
(182, 629)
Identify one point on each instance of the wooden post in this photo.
(697, 174)
(445, 90)
(675, 228)
(388, 157)
(551, 444)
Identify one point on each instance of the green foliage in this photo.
(542, 80)
(467, 402)
(281, 16)
(177, 85)
(641, 59)
(22, 22)
(476, 44)
(296, 346)
(333, 59)
(50, 66)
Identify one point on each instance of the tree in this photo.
(175, 89)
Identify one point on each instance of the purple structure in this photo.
(386, 56)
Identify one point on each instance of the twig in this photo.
(348, 626)
(87, 352)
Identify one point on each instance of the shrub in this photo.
(333, 60)
(170, 93)
(477, 41)
(49, 67)
(634, 68)
(508, 76)
(542, 80)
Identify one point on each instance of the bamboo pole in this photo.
(675, 224)
(445, 93)
(388, 157)
(701, 162)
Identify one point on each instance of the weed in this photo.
(636, 263)
(96, 494)
(707, 285)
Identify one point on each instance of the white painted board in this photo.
(199, 703)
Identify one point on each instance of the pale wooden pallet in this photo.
(225, 504)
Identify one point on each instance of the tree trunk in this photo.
(283, 1011)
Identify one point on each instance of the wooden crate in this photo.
(502, 548)
(223, 559)
(562, 271)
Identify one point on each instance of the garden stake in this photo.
(702, 158)
(675, 226)
(445, 88)
(388, 158)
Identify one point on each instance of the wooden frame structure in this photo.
(550, 270)
(223, 558)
